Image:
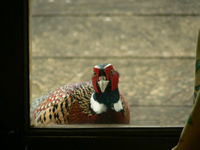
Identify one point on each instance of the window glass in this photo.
(150, 43)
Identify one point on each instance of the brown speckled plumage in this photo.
(70, 104)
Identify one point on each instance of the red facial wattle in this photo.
(114, 80)
(95, 78)
(113, 76)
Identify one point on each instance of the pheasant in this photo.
(96, 102)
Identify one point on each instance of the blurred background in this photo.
(152, 44)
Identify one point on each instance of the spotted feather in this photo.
(55, 107)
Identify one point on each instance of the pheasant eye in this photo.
(94, 73)
(111, 72)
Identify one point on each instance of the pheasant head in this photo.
(105, 81)
(103, 75)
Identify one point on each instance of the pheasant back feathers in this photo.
(59, 103)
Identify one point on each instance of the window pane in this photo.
(150, 43)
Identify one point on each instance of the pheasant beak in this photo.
(103, 83)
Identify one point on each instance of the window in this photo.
(16, 82)
(153, 53)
